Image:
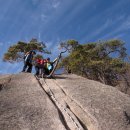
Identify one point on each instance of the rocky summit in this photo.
(66, 102)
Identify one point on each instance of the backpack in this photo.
(49, 66)
(28, 58)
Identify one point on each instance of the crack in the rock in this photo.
(127, 117)
(61, 116)
(5, 83)
(1, 87)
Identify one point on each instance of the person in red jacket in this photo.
(39, 66)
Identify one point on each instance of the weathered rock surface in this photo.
(68, 102)
(104, 107)
(25, 106)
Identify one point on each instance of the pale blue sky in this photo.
(52, 21)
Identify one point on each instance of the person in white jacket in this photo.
(28, 58)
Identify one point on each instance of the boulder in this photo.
(103, 107)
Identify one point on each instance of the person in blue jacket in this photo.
(28, 58)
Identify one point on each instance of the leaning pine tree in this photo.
(16, 52)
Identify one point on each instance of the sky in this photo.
(53, 21)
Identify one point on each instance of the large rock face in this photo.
(104, 107)
(68, 102)
(25, 106)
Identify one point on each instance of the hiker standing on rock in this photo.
(44, 66)
(40, 66)
(28, 58)
(49, 65)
